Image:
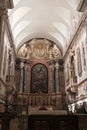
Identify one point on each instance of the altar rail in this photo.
(40, 100)
(37, 99)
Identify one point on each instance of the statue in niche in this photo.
(71, 52)
(79, 65)
(84, 55)
(72, 66)
(84, 60)
(9, 61)
(9, 65)
(67, 72)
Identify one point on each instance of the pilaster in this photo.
(50, 78)
(28, 77)
(57, 76)
(52, 75)
(21, 79)
(3, 17)
(23, 74)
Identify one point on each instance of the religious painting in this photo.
(84, 59)
(39, 79)
(79, 65)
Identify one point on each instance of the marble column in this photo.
(56, 77)
(50, 80)
(3, 17)
(28, 76)
(53, 78)
(21, 79)
(25, 78)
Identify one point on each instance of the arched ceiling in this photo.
(51, 19)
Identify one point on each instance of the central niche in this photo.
(39, 79)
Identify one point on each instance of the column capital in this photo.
(27, 67)
(50, 67)
(7, 4)
(3, 3)
(57, 65)
(21, 65)
(3, 7)
(50, 62)
(3, 12)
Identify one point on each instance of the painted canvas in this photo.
(39, 79)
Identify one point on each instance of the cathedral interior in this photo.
(43, 65)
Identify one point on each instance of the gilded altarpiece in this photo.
(39, 52)
(41, 57)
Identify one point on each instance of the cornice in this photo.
(4, 6)
(82, 82)
(3, 3)
(10, 4)
(82, 5)
(7, 4)
(3, 12)
(25, 61)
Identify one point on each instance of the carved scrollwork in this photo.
(54, 51)
(39, 48)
